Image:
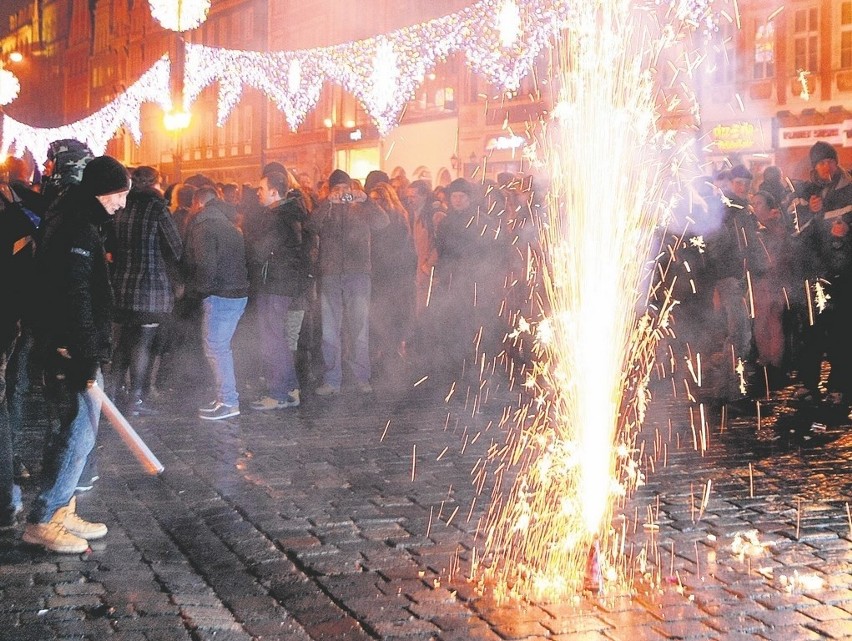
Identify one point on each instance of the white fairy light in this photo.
(294, 76)
(9, 86)
(509, 23)
(179, 15)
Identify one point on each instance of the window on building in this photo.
(846, 35)
(806, 39)
(725, 54)
(764, 51)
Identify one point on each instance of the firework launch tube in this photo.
(144, 455)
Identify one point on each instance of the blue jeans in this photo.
(273, 318)
(345, 295)
(219, 321)
(10, 494)
(76, 416)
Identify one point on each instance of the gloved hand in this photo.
(81, 373)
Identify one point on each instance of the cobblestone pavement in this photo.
(340, 520)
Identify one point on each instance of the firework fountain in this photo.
(571, 454)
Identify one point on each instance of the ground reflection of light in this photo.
(573, 447)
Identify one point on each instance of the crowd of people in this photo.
(763, 277)
(112, 279)
(120, 281)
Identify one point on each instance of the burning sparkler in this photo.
(574, 446)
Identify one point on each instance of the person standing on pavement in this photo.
(74, 335)
(217, 275)
(146, 239)
(344, 223)
(277, 250)
(17, 231)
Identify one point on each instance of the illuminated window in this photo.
(725, 53)
(764, 50)
(846, 35)
(806, 39)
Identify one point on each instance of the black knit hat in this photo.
(338, 177)
(821, 150)
(374, 178)
(105, 175)
(459, 184)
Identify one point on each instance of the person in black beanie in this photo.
(344, 223)
(73, 332)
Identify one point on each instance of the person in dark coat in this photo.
(73, 325)
(825, 251)
(344, 223)
(146, 239)
(277, 250)
(216, 269)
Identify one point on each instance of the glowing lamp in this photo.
(179, 15)
(16, 56)
(9, 86)
(176, 120)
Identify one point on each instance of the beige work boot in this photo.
(77, 526)
(54, 536)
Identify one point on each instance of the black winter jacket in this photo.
(277, 247)
(75, 310)
(215, 255)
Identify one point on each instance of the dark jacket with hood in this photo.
(75, 308)
(215, 255)
(345, 231)
(278, 247)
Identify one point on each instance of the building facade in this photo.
(775, 77)
(78, 55)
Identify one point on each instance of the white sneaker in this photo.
(54, 536)
(80, 527)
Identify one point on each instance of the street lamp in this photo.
(178, 16)
(175, 122)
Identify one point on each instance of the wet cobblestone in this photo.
(340, 520)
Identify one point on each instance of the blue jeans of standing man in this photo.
(272, 318)
(219, 321)
(76, 416)
(345, 296)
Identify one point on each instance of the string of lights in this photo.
(382, 72)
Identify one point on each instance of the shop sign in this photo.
(807, 135)
(735, 136)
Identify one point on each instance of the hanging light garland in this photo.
(500, 39)
(96, 130)
(179, 15)
(9, 86)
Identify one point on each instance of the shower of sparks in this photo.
(573, 445)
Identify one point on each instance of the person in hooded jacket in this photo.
(277, 251)
(216, 273)
(73, 332)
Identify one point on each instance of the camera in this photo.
(347, 198)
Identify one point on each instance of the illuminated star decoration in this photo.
(179, 15)
(96, 130)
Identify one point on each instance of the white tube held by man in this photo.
(141, 451)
